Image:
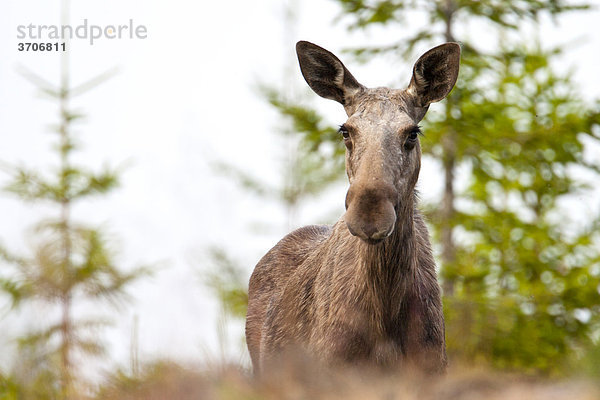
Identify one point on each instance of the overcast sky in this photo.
(184, 97)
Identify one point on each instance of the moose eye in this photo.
(344, 132)
(411, 139)
(414, 133)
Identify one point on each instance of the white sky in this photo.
(184, 97)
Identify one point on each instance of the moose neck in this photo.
(387, 268)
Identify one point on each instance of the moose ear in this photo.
(325, 73)
(435, 74)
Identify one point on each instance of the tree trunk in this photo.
(65, 349)
(449, 164)
(66, 326)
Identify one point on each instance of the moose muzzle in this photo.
(371, 212)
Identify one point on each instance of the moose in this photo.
(363, 291)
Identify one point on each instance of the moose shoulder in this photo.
(365, 290)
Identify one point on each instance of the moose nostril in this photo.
(369, 230)
(382, 234)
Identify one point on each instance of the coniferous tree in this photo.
(70, 262)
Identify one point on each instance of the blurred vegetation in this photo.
(158, 380)
(70, 263)
(525, 277)
(226, 283)
(167, 380)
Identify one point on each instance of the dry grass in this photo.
(172, 381)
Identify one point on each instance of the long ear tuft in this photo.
(325, 73)
(435, 74)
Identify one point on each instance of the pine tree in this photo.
(70, 262)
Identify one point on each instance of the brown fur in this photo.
(365, 290)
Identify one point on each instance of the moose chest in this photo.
(359, 314)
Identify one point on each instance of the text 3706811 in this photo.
(34, 46)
